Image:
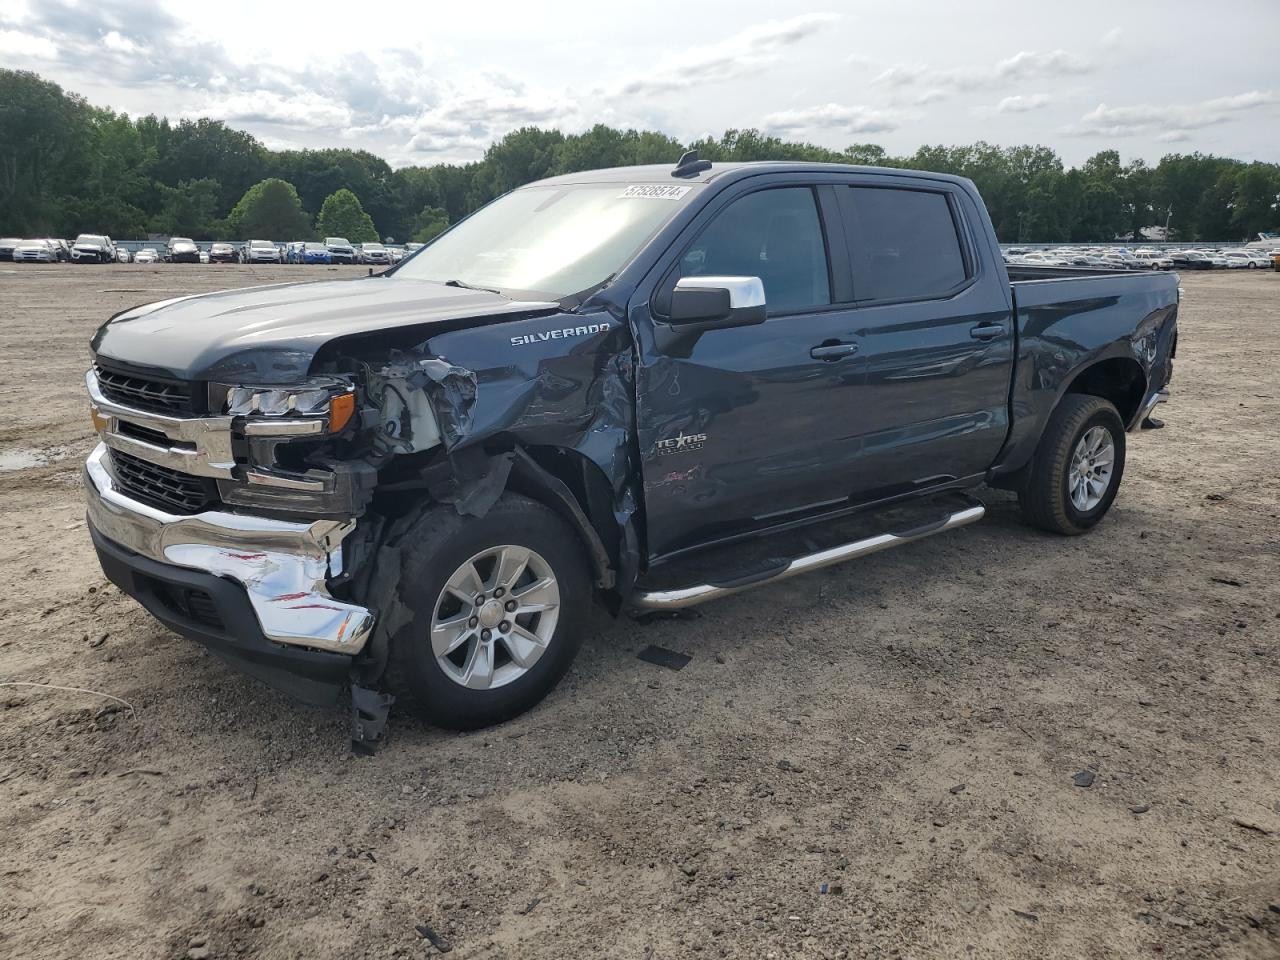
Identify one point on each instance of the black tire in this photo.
(1044, 495)
(436, 546)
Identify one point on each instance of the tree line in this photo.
(68, 167)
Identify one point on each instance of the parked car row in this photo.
(95, 248)
(99, 248)
(35, 251)
(1142, 259)
(341, 250)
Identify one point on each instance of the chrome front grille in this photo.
(166, 489)
(157, 396)
(193, 445)
(177, 462)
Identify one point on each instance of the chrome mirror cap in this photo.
(743, 291)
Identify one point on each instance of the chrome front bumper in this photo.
(283, 566)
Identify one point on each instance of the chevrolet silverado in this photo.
(414, 483)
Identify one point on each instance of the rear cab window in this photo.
(904, 243)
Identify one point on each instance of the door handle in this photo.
(986, 331)
(833, 350)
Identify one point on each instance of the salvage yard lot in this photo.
(906, 732)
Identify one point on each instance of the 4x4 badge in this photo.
(681, 443)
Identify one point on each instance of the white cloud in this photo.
(932, 95)
(1149, 118)
(114, 40)
(1055, 63)
(946, 81)
(743, 53)
(901, 75)
(442, 83)
(14, 43)
(1021, 104)
(307, 111)
(830, 116)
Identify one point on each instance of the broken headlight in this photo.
(335, 401)
(283, 438)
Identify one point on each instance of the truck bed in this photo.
(1067, 318)
(1026, 271)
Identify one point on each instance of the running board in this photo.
(783, 570)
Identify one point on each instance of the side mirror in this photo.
(718, 301)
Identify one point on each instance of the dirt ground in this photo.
(904, 733)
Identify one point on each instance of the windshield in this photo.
(337, 241)
(314, 246)
(88, 238)
(263, 244)
(373, 246)
(553, 241)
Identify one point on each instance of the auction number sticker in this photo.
(654, 191)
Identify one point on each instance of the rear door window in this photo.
(905, 244)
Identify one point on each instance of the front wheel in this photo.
(499, 606)
(1075, 473)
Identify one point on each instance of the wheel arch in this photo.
(1119, 379)
(569, 483)
(1114, 375)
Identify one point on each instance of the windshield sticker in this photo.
(654, 191)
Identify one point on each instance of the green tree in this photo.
(456, 186)
(1190, 185)
(269, 210)
(866, 154)
(1255, 205)
(209, 148)
(67, 167)
(342, 216)
(188, 210)
(521, 156)
(429, 224)
(319, 173)
(42, 137)
(603, 146)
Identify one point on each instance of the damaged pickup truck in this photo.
(415, 483)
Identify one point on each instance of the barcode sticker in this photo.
(654, 191)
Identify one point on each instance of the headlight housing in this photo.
(281, 437)
(334, 401)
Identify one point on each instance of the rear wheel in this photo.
(499, 607)
(1075, 474)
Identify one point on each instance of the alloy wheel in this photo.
(1092, 464)
(495, 617)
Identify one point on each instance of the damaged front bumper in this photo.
(258, 576)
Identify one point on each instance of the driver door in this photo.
(748, 426)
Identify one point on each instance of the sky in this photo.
(425, 83)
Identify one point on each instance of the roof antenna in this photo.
(689, 165)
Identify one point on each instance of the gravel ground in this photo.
(910, 733)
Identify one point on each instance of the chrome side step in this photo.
(701, 593)
(1157, 398)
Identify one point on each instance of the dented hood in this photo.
(271, 334)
